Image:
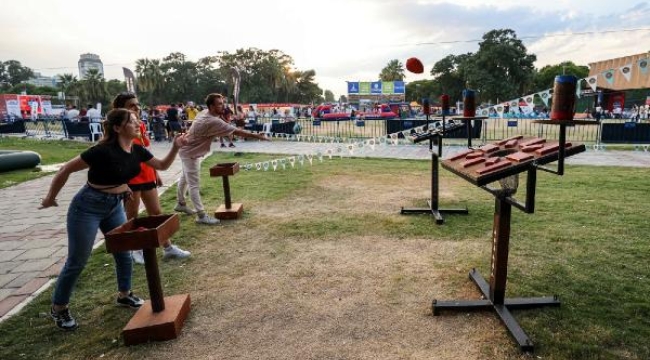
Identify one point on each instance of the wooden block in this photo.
(534, 141)
(492, 161)
(224, 169)
(520, 156)
(471, 162)
(511, 143)
(474, 155)
(234, 212)
(127, 237)
(531, 148)
(460, 155)
(147, 325)
(486, 149)
(504, 141)
(496, 166)
(551, 148)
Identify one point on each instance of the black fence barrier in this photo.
(626, 133)
(15, 127)
(277, 128)
(76, 129)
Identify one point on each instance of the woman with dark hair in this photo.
(98, 205)
(144, 185)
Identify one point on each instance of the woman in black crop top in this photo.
(98, 205)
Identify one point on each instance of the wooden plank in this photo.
(489, 148)
(504, 141)
(460, 155)
(474, 155)
(533, 141)
(531, 148)
(471, 162)
(492, 161)
(520, 156)
(496, 166)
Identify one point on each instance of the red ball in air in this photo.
(414, 65)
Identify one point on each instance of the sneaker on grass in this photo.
(208, 220)
(174, 252)
(184, 209)
(63, 319)
(130, 300)
(137, 256)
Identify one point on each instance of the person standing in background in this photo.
(144, 185)
(207, 126)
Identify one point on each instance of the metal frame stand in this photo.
(494, 292)
(433, 203)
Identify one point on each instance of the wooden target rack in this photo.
(493, 163)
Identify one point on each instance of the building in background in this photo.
(87, 62)
(42, 80)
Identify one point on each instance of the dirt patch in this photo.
(358, 297)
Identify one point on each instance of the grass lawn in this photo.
(52, 152)
(323, 266)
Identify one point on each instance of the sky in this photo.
(342, 40)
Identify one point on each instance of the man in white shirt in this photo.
(93, 114)
(73, 114)
(207, 126)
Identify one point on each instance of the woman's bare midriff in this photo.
(110, 189)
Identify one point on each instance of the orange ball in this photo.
(414, 65)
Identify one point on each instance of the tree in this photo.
(420, 89)
(150, 79)
(545, 77)
(501, 68)
(93, 87)
(451, 75)
(14, 73)
(329, 96)
(343, 99)
(393, 71)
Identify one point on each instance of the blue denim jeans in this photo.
(90, 210)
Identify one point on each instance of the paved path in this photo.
(33, 243)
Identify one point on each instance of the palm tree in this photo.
(151, 78)
(94, 86)
(394, 71)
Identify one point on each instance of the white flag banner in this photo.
(545, 96)
(626, 70)
(529, 99)
(593, 82)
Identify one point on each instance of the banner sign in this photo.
(387, 87)
(353, 87)
(376, 87)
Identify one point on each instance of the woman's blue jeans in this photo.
(90, 210)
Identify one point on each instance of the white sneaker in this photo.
(174, 252)
(184, 209)
(205, 219)
(137, 256)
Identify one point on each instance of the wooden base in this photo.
(233, 213)
(147, 325)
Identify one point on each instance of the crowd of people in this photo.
(121, 172)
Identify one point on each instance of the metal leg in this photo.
(433, 201)
(494, 292)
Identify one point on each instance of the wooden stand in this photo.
(433, 209)
(481, 167)
(160, 318)
(228, 211)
